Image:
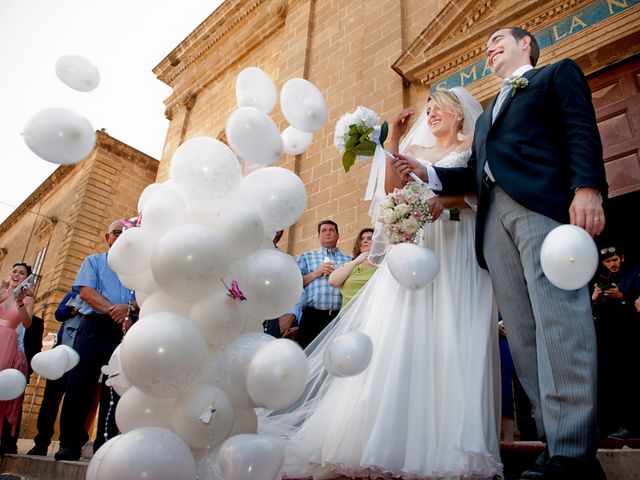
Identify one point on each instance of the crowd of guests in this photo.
(95, 315)
(331, 278)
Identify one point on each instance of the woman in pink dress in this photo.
(14, 309)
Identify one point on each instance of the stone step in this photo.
(24, 467)
(619, 464)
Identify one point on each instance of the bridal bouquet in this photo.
(359, 133)
(404, 212)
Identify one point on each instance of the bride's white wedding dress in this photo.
(428, 404)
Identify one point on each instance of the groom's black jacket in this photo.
(541, 147)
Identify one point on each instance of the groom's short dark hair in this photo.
(519, 34)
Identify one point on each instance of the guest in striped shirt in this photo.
(322, 301)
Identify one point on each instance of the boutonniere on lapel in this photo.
(517, 83)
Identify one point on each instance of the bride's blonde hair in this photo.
(448, 102)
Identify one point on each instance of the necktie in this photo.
(502, 96)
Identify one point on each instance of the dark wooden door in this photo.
(616, 97)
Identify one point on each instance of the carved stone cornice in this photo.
(231, 31)
(457, 35)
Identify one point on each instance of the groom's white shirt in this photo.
(433, 181)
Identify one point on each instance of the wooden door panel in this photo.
(616, 98)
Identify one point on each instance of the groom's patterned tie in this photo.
(502, 96)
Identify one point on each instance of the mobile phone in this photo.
(28, 283)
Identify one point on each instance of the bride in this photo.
(428, 404)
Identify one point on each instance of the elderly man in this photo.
(321, 302)
(106, 316)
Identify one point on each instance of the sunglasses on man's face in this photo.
(607, 250)
(115, 233)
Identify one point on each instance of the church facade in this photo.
(387, 55)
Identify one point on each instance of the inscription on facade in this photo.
(559, 31)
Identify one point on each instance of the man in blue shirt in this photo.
(67, 313)
(322, 301)
(106, 316)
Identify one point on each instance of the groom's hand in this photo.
(405, 164)
(586, 211)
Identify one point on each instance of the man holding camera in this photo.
(618, 330)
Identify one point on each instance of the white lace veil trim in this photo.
(419, 134)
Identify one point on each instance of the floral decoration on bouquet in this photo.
(359, 133)
(404, 212)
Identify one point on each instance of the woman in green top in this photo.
(351, 276)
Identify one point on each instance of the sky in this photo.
(124, 39)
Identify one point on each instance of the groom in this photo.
(536, 164)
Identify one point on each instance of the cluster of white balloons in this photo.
(59, 135)
(195, 366)
(255, 136)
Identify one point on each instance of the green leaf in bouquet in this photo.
(352, 142)
(348, 159)
(454, 214)
(384, 132)
(366, 134)
(365, 148)
(354, 130)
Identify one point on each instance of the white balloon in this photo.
(253, 326)
(203, 416)
(73, 357)
(139, 281)
(141, 296)
(189, 261)
(115, 376)
(254, 136)
(277, 194)
(207, 467)
(77, 72)
(148, 453)
(270, 280)
(245, 420)
(569, 257)
(254, 88)
(220, 318)
(303, 105)
(131, 252)
(277, 374)
(148, 192)
(231, 364)
(164, 210)
(348, 355)
(138, 409)
(161, 301)
(412, 266)
(251, 457)
(93, 470)
(242, 229)
(204, 169)
(12, 384)
(163, 354)
(59, 135)
(296, 142)
(50, 364)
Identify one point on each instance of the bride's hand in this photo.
(405, 164)
(436, 207)
(401, 122)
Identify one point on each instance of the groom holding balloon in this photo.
(536, 164)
